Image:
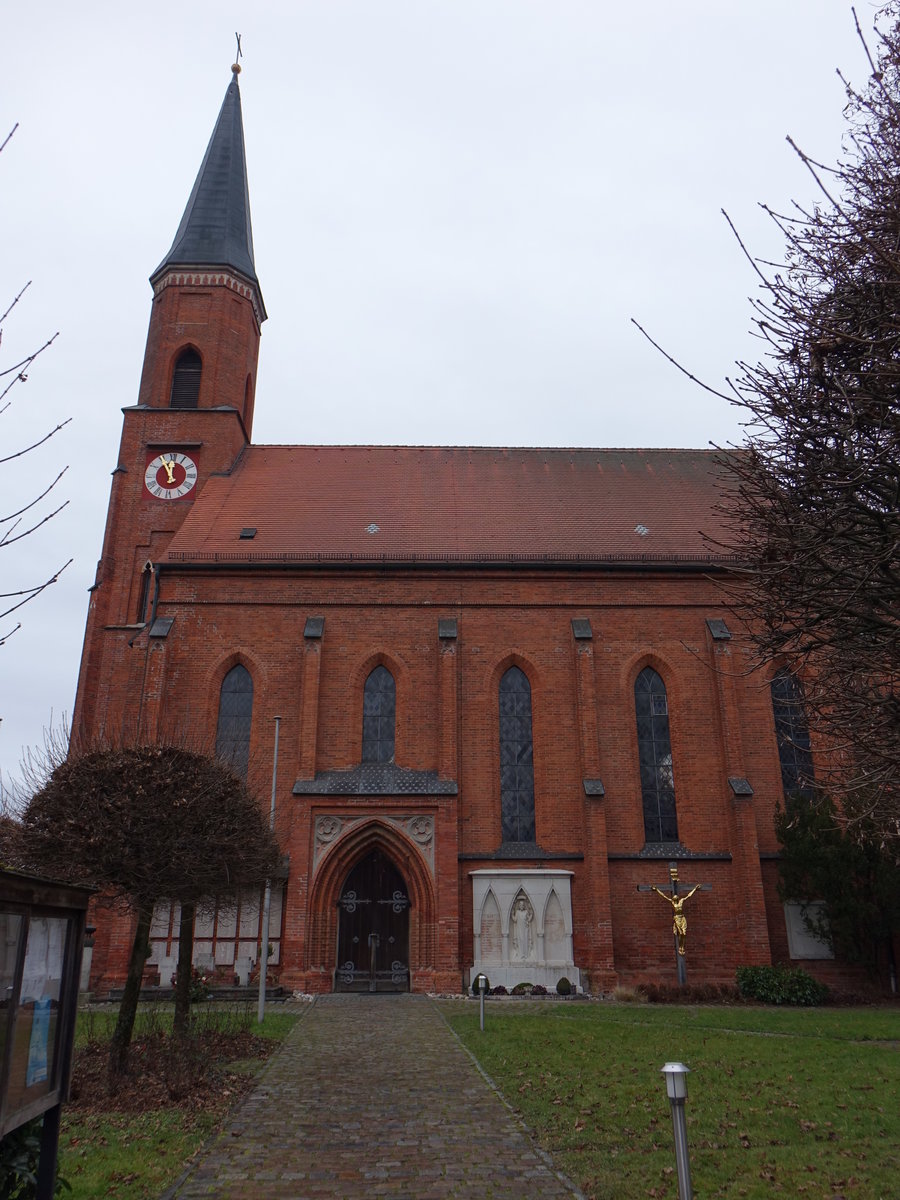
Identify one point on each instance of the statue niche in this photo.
(521, 930)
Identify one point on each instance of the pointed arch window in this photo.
(792, 732)
(379, 712)
(651, 706)
(186, 380)
(516, 758)
(235, 714)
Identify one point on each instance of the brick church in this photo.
(508, 693)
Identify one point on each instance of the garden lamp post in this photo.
(676, 1088)
(481, 982)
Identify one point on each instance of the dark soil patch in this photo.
(164, 1072)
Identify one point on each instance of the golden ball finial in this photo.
(235, 68)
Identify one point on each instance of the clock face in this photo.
(170, 475)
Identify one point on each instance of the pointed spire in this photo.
(215, 229)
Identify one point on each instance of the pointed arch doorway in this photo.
(373, 928)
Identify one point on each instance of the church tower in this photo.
(193, 418)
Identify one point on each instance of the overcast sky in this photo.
(458, 205)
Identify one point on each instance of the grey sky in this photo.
(457, 207)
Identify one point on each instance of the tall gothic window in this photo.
(792, 733)
(186, 380)
(379, 710)
(516, 758)
(235, 713)
(655, 756)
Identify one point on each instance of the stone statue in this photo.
(679, 928)
(521, 920)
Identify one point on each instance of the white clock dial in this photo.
(170, 476)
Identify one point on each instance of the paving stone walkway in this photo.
(373, 1097)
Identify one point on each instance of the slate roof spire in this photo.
(215, 229)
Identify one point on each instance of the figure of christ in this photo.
(521, 929)
(679, 928)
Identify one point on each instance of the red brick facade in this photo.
(251, 606)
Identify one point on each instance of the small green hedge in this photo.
(780, 985)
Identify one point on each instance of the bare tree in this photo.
(815, 511)
(147, 823)
(27, 519)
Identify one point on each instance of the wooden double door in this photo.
(373, 929)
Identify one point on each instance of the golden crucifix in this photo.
(679, 926)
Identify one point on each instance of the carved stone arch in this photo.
(555, 930)
(325, 891)
(521, 893)
(489, 933)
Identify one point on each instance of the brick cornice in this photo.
(200, 277)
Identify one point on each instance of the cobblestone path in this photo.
(372, 1097)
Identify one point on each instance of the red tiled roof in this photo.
(401, 503)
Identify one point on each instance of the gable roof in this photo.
(438, 504)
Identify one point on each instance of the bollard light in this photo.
(482, 983)
(676, 1074)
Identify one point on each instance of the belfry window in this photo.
(235, 713)
(516, 758)
(186, 380)
(655, 757)
(792, 733)
(379, 710)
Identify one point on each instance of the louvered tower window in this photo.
(792, 733)
(655, 756)
(379, 708)
(186, 380)
(516, 758)
(235, 713)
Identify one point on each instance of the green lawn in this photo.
(136, 1156)
(789, 1102)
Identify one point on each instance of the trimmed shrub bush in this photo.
(563, 987)
(780, 985)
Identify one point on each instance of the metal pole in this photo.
(682, 1160)
(267, 901)
(676, 1074)
(481, 990)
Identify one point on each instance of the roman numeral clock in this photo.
(170, 475)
